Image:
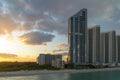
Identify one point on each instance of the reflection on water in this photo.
(106, 75)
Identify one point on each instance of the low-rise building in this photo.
(53, 60)
(57, 61)
(41, 59)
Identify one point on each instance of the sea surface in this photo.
(102, 75)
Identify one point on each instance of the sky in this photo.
(31, 27)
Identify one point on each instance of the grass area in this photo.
(17, 66)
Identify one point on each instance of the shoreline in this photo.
(44, 72)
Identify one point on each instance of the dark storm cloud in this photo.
(36, 38)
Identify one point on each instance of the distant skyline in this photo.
(30, 27)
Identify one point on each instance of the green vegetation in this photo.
(17, 66)
(71, 66)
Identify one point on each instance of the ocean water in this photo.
(105, 75)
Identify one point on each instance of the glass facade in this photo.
(89, 46)
(77, 35)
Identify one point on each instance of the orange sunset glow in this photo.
(31, 27)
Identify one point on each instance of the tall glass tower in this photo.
(77, 38)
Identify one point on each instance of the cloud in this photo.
(6, 25)
(36, 38)
(7, 55)
(99, 11)
(58, 51)
(52, 15)
(63, 54)
(62, 48)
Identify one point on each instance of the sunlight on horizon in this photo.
(13, 46)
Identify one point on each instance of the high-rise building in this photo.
(112, 46)
(103, 48)
(118, 50)
(108, 48)
(77, 38)
(94, 45)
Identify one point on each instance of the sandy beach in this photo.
(44, 72)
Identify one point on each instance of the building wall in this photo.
(102, 48)
(41, 59)
(94, 45)
(112, 46)
(53, 60)
(57, 61)
(108, 48)
(118, 49)
(48, 59)
(77, 37)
